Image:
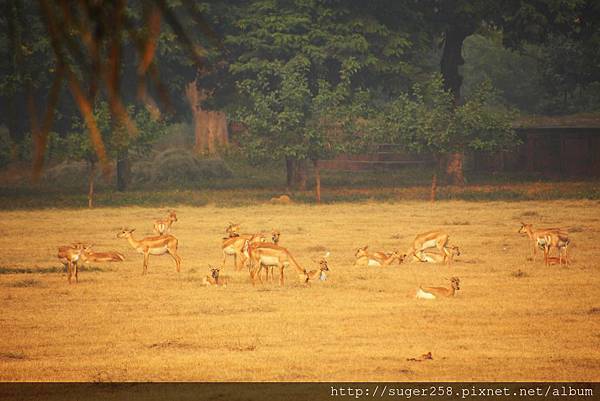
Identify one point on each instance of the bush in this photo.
(179, 166)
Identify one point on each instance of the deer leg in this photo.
(255, 271)
(447, 256)
(176, 258)
(146, 256)
(281, 275)
(76, 271)
(69, 270)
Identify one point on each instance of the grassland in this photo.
(511, 320)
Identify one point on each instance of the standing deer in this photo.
(70, 255)
(160, 245)
(432, 239)
(163, 226)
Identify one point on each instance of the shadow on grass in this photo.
(48, 270)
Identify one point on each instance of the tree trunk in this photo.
(290, 166)
(451, 61)
(317, 180)
(301, 175)
(210, 127)
(454, 168)
(123, 171)
(296, 175)
(433, 194)
(91, 179)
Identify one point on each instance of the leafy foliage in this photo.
(427, 121)
(298, 67)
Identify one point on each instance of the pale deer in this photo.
(432, 239)
(214, 278)
(234, 246)
(560, 241)
(264, 254)
(430, 257)
(70, 255)
(538, 237)
(163, 226)
(439, 292)
(163, 244)
(319, 273)
(376, 259)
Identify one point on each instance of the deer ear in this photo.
(132, 230)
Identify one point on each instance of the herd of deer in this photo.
(258, 251)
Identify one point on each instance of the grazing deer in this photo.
(430, 257)
(560, 241)
(234, 246)
(70, 255)
(437, 292)
(263, 254)
(163, 226)
(376, 259)
(431, 239)
(317, 273)
(153, 246)
(538, 237)
(214, 279)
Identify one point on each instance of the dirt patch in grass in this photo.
(13, 356)
(26, 283)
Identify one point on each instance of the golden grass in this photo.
(511, 320)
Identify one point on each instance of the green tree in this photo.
(428, 121)
(77, 144)
(294, 65)
(525, 21)
(112, 50)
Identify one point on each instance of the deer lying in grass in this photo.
(163, 226)
(432, 239)
(111, 256)
(214, 279)
(430, 257)
(318, 274)
(376, 259)
(163, 244)
(439, 292)
(560, 241)
(538, 237)
(263, 254)
(70, 255)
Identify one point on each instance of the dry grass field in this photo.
(511, 320)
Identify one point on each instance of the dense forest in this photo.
(295, 81)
